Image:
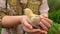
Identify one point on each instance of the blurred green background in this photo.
(54, 12)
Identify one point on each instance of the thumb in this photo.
(44, 15)
(26, 24)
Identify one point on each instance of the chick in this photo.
(34, 19)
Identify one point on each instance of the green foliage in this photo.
(54, 12)
(54, 4)
(55, 29)
(55, 16)
(0, 30)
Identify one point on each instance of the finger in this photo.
(43, 26)
(43, 32)
(48, 20)
(38, 30)
(46, 23)
(25, 23)
(33, 30)
(44, 15)
(41, 17)
(26, 29)
(30, 30)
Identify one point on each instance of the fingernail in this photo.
(45, 32)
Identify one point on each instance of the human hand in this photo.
(29, 29)
(45, 22)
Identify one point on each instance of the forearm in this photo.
(10, 21)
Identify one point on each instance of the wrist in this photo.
(45, 15)
(22, 18)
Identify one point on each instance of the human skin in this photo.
(10, 21)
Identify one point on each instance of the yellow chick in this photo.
(35, 19)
